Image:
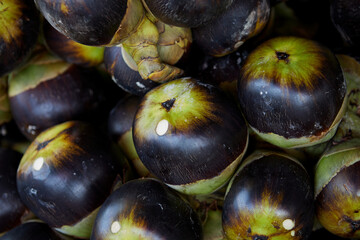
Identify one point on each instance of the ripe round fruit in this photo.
(189, 135)
(292, 92)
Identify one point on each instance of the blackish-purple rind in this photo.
(31, 231)
(11, 206)
(76, 94)
(275, 184)
(122, 116)
(151, 206)
(228, 31)
(75, 179)
(201, 147)
(288, 106)
(89, 22)
(187, 13)
(125, 77)
(13, 53)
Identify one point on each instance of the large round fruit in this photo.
(189, 135)
(292, 92)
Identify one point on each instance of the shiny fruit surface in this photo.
(189, 135)
(270, 197)
(292, 92)
(146, 209)
(65, 175)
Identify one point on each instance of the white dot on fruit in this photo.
(38, 163)
(288, 224)
(162, 127)
(115, 227)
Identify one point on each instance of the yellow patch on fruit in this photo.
(129, 227)
(287, 61)
(51, 147)
(64, 8)
(10, 22)
(265, 218)
(192, 108)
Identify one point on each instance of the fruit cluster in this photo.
(169, 119)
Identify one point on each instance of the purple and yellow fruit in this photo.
(292, 92)
(189, 135)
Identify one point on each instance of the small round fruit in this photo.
(292, 92)
(66, 174)
(337, 189)
(270, 197)
(146, 209)
(189, 135)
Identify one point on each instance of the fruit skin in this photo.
(124, 71)
(12, 209)
(190, 13)
(241, 21)
(48, 91)
(87, 22)
(19, 31)
(286, 80)
(66, 174)
(69, 50)
(205, 139)
(336, 189)
(146, 209)
(30, 231)
(269, 189)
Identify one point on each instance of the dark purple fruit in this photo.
(227, 32)
(120, 124)
(124, 71)
(49, 91)
(71, 51)
(270, 197)
(283, 83)
(19, 31)
(32, 230)
(12, 209)
(189, 135)
(187, 13)
(66, 174)
(146, 209)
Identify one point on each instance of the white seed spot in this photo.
(162, 127)
(38, 163)
(115, 227)
(140, 85)
(292, 233)
(288, 224)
